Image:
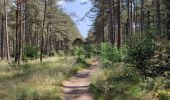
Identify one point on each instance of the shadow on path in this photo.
(77, 87)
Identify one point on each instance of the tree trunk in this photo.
(131, 17)
(2, 38)
(6, 31)
(158, 18)
(20, 33)
(142, 16)
(42, 35)
(16, 34)
(119, 23)
(128, 18)
(111, 4)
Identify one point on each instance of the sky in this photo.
(77, 10)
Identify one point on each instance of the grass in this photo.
(122, 82)
(36, 80)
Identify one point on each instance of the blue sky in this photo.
(78, 9)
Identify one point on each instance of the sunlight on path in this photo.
(77, 87)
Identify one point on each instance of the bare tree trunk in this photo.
(17, 25)
(158, 14)
(131, 17)
(20, 32)
(42, 35)
(128, 19)
(119, 23)
(142, 16)
(2, 38)
(6, 31)
(111, 4)
(168, 26)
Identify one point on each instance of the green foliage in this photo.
(60, 53)
(110, 54)
(116, 83)
(13, 64)
(91, 50)
(31, 51)
(149, 55)
(52, 53)
(160, 61)
(79, 50)
(124, 82)
(80, 53)
(140, 53)
(154, 84)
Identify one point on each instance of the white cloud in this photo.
(83, 1)
(61, 3)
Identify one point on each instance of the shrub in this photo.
(91, 51)
(31, 51)
(52, 53)
(116, 83)
(154, 84)
(159, 62)
(60, 53)
(140, 53)
(110, 54)
(80, 53)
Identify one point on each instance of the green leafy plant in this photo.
(80, 53)
(31, 51)
(52, 53)
(91, 51)
(140, 53)
(110, 54)
(116, 83)
(60, 53)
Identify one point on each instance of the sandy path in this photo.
(77, 87)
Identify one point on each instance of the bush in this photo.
(117, 83)
(91, 51)
(154, 84)
(140, 53)
(80, 53)
(149, 55)
(159, 62)
(52, 53)
(31, 51)
(110, 54)
(60, 53)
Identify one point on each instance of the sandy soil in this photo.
(77, 87)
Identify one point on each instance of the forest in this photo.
(44, 56)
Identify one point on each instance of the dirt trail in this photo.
(77, 87)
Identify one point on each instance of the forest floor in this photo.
(77, 87)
